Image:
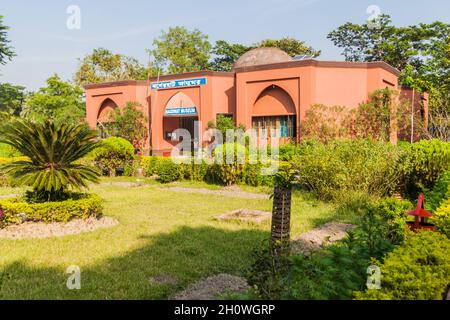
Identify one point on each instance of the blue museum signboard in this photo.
(178, 83)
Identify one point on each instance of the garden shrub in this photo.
(334, 273)
(229, 163)
(442, 218)
(343, 166)
(194, 171)
(440, 192)
(80, 206)
(167, 170)
(338, 270)
(419, 269)
(427, 161)
(112, 154)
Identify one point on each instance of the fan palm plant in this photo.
(52, 151)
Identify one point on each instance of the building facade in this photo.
(266, 89)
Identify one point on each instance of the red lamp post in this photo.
(420, 214)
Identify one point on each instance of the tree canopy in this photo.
(180, 50)
(421, 52)
(11, 99)
(103, 66)
(59, 101)
(6, 51)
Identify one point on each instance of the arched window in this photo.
(275, 112)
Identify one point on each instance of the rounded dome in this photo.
(260, 56)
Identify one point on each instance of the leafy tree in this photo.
(179, 50)
(6, 51)
(424, 48)
(291, 46)
(11, 99)
(226, 54)
(103, 66)
(129, 123)
(59, 101)
(52, 151)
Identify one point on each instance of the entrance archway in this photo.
(181, 113)
(104, 118)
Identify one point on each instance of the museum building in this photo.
(266, 89)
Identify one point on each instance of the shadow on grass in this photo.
(185, 255)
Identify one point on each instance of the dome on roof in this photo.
(260, 56)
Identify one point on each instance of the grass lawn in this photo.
(161, 232)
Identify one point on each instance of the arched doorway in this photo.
(181, 113)
(105, 122)
(274, 111)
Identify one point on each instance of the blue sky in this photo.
(44, 45)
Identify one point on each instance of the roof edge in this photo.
(321, 63)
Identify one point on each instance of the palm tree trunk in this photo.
(281, 220)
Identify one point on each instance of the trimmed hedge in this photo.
(16, 210)
(113, 153)
(419, 269)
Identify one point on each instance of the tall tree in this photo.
(11, 99)
(291, 46)
(6, 51)
(180, 50)
(59, 101)
(422, 51)
(226, 54)
(102, 66)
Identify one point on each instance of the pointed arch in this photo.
(106, 108)
(274, 101)
(180, 100)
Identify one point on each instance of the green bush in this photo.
(193, 171)
(440, 192)
(419, 269)
(80, 206)
(113, 153)
(343, 166)
(442, 218)
(426, 161)
(334, 273)
(229, 164)
(167, 170)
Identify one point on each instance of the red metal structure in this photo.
(420, 214)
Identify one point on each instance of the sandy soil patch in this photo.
(315, 239)
(213, 287)
(40, 230)
(232, 193)
(245, 215)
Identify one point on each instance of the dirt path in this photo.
(231, 193)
